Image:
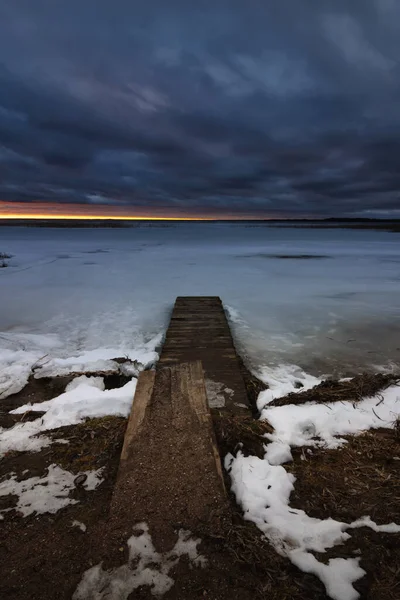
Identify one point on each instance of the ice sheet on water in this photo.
(274, 304)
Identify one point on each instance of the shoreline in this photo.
(359, 473)
(390, 225)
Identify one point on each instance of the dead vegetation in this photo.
(253, 386)
(397, 428)
(235, 433)
(91, 445)
(353, 390)
(361, 478)
(39, 550)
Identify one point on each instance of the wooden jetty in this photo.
(199, 330)
(170, 475)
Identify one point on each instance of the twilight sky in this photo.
(264, 108)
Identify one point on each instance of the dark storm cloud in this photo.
(287, 108)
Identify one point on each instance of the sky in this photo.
(215, 108)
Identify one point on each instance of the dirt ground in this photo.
(43, 557)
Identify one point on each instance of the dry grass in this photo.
(253, 386)
(237, 432)
(397, 428)
(359, 387)
(91, 444)
(361, 478)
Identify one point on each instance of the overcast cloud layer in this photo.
(276, 108)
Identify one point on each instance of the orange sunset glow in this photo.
(51, 210)
(62, 211)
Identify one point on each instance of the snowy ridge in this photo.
(263, 487)
(84, 397)
(322, 424)
(283, 380)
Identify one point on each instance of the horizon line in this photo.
(69, 217)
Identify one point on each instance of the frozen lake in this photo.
(327, 300)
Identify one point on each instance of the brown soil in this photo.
(359, 387)
(42, 557)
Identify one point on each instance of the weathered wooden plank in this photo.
(187, 385)
(144, 389)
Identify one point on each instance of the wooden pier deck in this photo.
(199, 330)
(170, 481)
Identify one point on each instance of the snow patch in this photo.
(19, 355)
(47, 494)
(15, 371)
(263, 491)
(93, 480)
(100, 359)
(145, 567)
(337, 576)
(300, 425)
(96, 382)
(80, 525)
(85, 398)
(283, 380)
